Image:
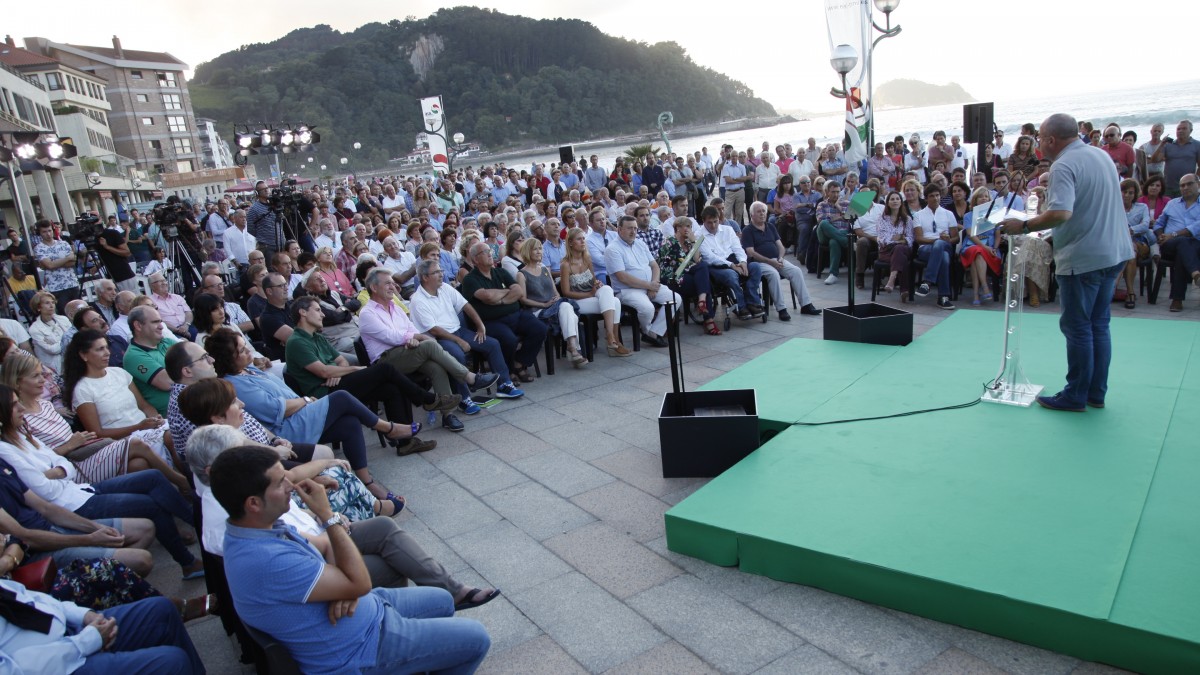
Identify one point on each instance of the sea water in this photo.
(1134, 109)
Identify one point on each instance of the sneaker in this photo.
(944, 303)
(831, 280)
(923, 289)
(1058, 402)
(414, 445)
(784, 316)
(469, 407)
(742, 313)
(443, 403)
(507, 390)
(452, 423)
(810, 310)
(483, 381)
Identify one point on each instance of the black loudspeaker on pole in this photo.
(566, 154)
(978, 125)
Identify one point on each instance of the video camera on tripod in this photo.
(285, 195)
(167, 215)
(86, 229)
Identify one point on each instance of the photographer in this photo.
(261, 220)
(189, 237)
(114, 253)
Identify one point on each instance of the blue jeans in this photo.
(729, 278)
(936, 257)
(150, 639)
(421, 634)
(490, 348)
(144, 494)
(1085, 300)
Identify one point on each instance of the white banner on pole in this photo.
(435, 121)
(849, 23)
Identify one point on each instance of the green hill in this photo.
(503, 79)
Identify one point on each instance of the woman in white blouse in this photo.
(47, 330)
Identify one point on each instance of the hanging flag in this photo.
(854, 144)
(435, 123)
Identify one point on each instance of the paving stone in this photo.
(719, 629)
(731, 581)
(508, 558)
(591, 410)
(613, 560)
(680, 495)
(508, 442)
(448, 509)
(648, 408)
(537, 511)
(480, 472)
(626, 509)
(652, 383)
(642, 470)
(807, 660)
(533, 418)
(1012, 657)
(538, 656)
(957, 662)
(434, 545)
(583, 441)
(619, 396)
(595, 628)
(506, 625)
(636, 430)
(562, 472)
(405, 474)
(669, 657)
(625, 368)
(449, 444)
(861, 635)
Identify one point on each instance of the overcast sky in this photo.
(995, 50)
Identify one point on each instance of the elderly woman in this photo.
(391, 555)
(47, 330)
(334, 277)
(144, 494)
(214, 402)
(1137, 214)
(578, 283)
(542, 297)
(692, 281)
(302, 419)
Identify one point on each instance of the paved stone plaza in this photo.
(558, 500)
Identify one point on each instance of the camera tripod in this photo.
(178, 277)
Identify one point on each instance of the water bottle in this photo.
(1031, 205)
(431, 419)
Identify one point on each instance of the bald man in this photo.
(1091, 245)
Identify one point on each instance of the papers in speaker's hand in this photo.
(987, 217)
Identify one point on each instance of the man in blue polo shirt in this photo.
(320, 604)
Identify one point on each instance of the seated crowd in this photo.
(212, 417)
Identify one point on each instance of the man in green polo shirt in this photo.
(145, 359)
(318, 369)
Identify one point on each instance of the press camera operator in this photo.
(114, 253)
(263, 218)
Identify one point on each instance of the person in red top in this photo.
(1121, 153)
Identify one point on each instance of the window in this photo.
(135, 74)
(167, 80)
(156, 145)
(148, 121)
(142, 98)
(53, 81)
(71, 84)
(183, 146)
(176, 123)
(172, 102)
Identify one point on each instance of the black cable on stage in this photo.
(959, 406)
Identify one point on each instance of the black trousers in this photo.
(382, 382)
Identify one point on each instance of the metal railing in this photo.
(28, 78)
(17, 121)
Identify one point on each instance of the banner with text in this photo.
(435, 124)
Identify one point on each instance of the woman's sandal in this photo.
(710, 327)
(522, 374)
(578, 360)
(702, 307)
(415, 427)
(397, 502)
(1131, 301)
(195, 608)
(395, 499)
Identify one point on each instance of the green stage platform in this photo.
(1074, 532)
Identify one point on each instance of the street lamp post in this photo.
(885, 31)
(843, 61)
(344, 162)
